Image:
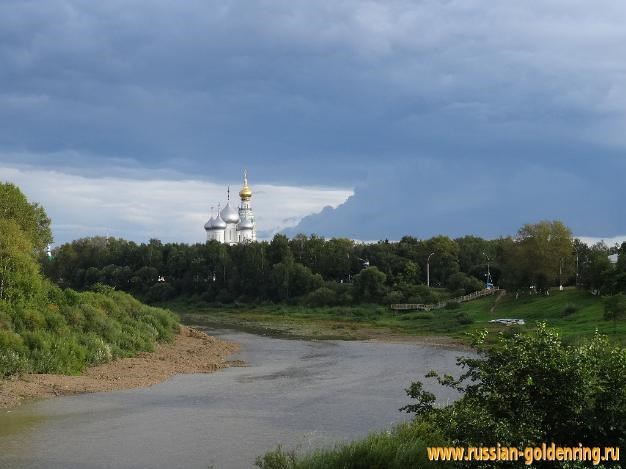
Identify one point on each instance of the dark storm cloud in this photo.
(448, 116)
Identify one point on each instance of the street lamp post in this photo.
(576, 251)
(428, 270)
(488, 271)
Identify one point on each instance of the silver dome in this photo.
(209, 225)
(219, 224)
(229, 214)
(245, 224)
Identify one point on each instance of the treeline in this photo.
(47, 329)
(317, 271)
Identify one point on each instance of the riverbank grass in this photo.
(64, 331)
(574, 313)
(401, 447)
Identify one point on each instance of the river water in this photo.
(300, 394)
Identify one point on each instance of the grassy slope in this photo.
(65, 331)
(352, 322)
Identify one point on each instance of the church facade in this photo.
(233, 226)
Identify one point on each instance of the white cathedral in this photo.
(232, 226)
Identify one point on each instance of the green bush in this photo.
(28, 319)
(323, 296)
(463, 283)
(12, 363)
(50, 353)
(13, 358)
(452, 305)
(394, 297)
(532, 388)
(97, 350)
(463, 318)
(569, 309)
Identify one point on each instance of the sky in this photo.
(364, 119)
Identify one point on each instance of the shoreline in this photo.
(288, 328)
(192, 351)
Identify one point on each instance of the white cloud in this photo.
(170, 210)
(612, 241)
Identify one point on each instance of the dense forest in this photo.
(322, 272)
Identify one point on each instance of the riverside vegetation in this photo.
(47, 329)
(308, 282)
(526, 390)
(575, 313)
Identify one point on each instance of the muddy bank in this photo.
(318, 329)
(191, 352)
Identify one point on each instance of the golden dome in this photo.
(245, 193)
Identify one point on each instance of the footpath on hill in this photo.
(192, 351)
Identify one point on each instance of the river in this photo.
(300, 394)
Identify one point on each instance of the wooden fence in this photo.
(461, 299)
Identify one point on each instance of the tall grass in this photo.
(63, 331)
(402, 447)
(575, 313)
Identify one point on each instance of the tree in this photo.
(279, 281)
(411, 273)
(594, 267)
(19, 272)
(619, 273)
(302, 280)
(473, 251)
(278, 250)
(444, 262)
(369, 285)
(464, 282)
(539, 254)
(335, 260)
(30, 217)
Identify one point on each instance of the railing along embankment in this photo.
(460, 299)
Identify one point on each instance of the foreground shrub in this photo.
(533, 388)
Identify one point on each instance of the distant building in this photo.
(613, 258)
(233, 226)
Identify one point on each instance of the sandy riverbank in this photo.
(191, 351)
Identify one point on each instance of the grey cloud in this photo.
(333, 93)
(425, 198)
